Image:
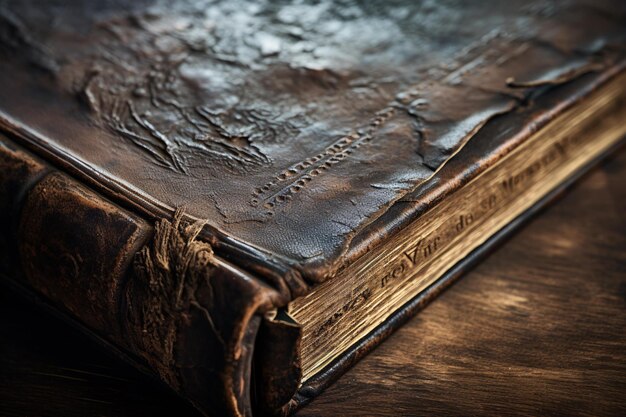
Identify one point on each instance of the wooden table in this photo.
(539, 328)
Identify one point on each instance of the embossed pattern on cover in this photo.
(290, 126)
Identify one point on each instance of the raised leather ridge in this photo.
(158, 295)
(20, 171)
(194, 318)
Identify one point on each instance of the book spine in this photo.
(156, 293)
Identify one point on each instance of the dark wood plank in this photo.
(536, 329)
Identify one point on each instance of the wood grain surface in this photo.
(539, 328)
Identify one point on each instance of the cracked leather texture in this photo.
(290, 127)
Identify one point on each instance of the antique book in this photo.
(243, 198)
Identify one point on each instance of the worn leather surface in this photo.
(290, 127)
(75, 248)
(86, 257)
(20, 171)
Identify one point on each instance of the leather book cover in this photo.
(170, 172)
